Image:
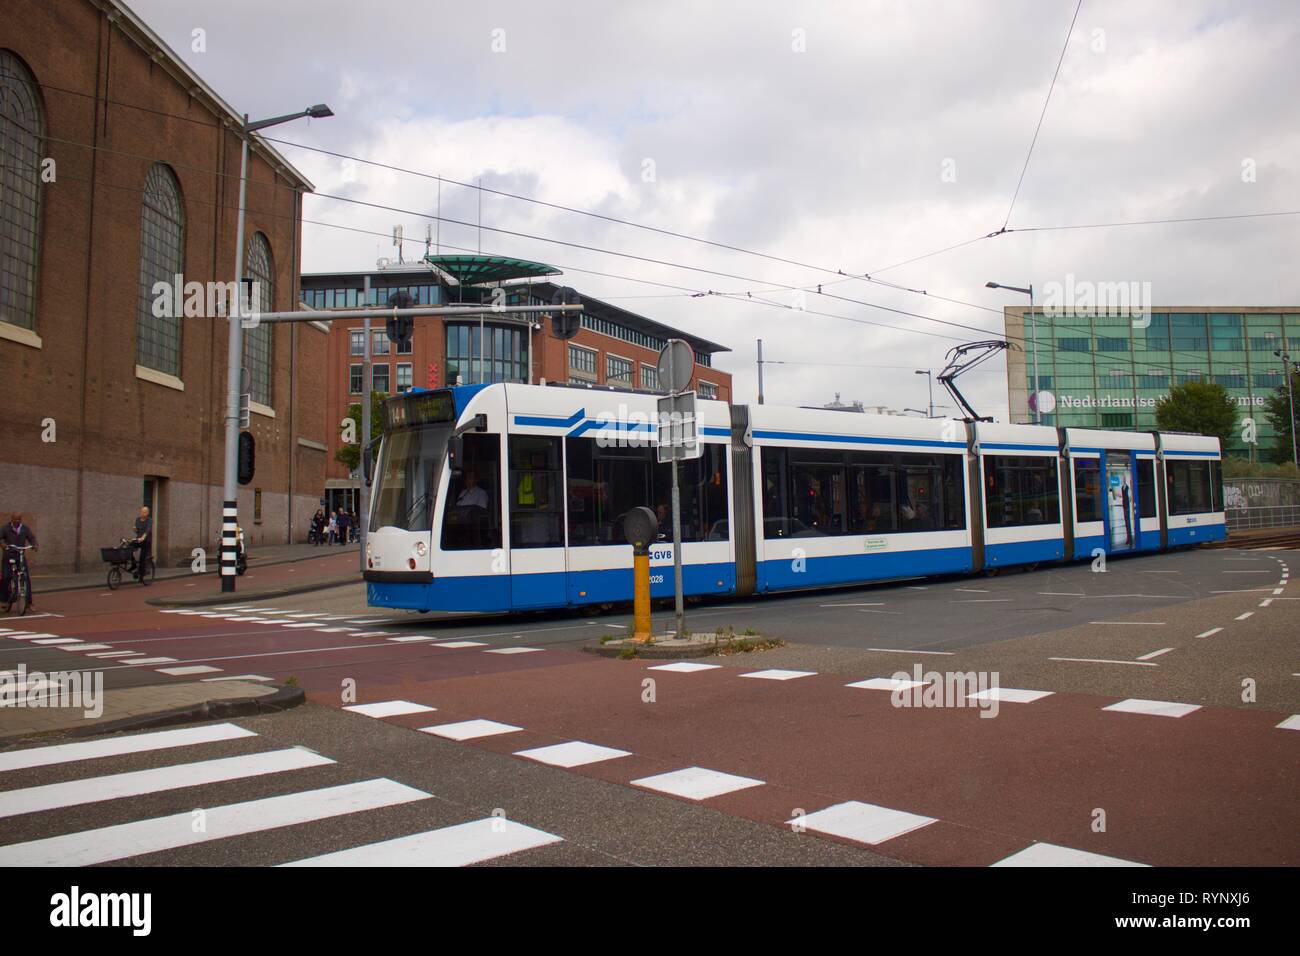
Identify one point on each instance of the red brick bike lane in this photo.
(1214, 787)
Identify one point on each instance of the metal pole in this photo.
(760, 371)
(680, 631)
(1038, 415)
(482, 350)
(363, 493)
(1290, 396)
(234, 384)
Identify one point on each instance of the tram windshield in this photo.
(406, 482)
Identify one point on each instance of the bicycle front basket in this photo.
(115, 555)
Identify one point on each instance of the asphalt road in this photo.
(1160, 693)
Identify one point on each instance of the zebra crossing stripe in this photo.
(74, 793)
(171, 832)
(459, 845)
(117, 746)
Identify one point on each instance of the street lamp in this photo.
(1038, 416)
(235, 352)
(930, 387)
(1290, 397)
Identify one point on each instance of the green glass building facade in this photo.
(1107, 371)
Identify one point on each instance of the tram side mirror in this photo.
(455, 454)
(367, 463)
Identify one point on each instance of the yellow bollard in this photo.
(641, 596)
(639, 527)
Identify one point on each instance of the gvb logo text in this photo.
(133, 910)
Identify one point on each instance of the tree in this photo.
(350, 452)
(1202, 407)
(1277, 408)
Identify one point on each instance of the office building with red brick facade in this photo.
(121, 170)
(612, 347)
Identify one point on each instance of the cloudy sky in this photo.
(841, 136)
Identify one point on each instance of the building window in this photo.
(379, 341)
(22, 128)
(379, 377)
(1155, 378)
(708, 390)
(504, 360)
(404, 376)
(582, 364)
(259, 341)
(1117, 420)
(162, 259)
(1073, 345)
(357, 341)
(1105, 344)
(618, 371)
(406, 347)
(356, 381)
(649, 377)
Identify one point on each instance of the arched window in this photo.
(22, 128)
(162, 258)
(258, 341)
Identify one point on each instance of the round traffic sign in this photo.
(676, 366)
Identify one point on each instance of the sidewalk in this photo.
(261, 558)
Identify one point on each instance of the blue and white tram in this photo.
(510, 497)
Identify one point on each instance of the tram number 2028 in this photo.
(656, 579)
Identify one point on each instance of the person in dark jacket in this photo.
(343, 526)
(143, 540)
(16, 534)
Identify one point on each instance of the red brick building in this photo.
(121, 171)
(612, 347)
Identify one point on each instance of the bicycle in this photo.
(122, 558)
(20, 588)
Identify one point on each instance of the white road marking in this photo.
(862, 822)
(1049, 854)
(684, 667)
(1155, 708)
(513, 650)
(1292, 722)
(1211, 632)
(258, 677)
(886, 683)
(459, 845)
(574, 753)
(972, 591)
(457, 645)
(1242, 617)
(899, 650)
(410, 639)
(1062, 594)
(696, 783)
(1147, 657)
(150, 660)
(982, 601)
(57, 640)
(1133, 623)
(116, 654)
(166, 833)
(1266, 602)
(189, 670)
(1100, 660)
(776, 673)
(866, 604)
(74, 793)
(470, 729)
(389, 708)
(117, 746)
(1010, 695)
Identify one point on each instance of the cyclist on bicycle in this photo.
(143, 541)
(15, 534)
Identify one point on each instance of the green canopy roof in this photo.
(477, 269)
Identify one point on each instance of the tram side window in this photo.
(604, 483)
(1087, 489)
(536, 499)
(1021, 490)
(809, 492)
(1216, 486)
(1146, 480)
(472, 512)
(1189, 487)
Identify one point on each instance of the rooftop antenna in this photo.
(438, 240)
(480, 215)
(428, 237)
(397, 241)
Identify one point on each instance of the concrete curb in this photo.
(265, 594)
(283, 699)
(101, 583)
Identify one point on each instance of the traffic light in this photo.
(565, 325)
(247, 457)
(400, 329)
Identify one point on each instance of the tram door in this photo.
(1121, 505)
(535, 499)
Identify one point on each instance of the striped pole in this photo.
(229, 516)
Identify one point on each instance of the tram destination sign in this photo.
(424, 408)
